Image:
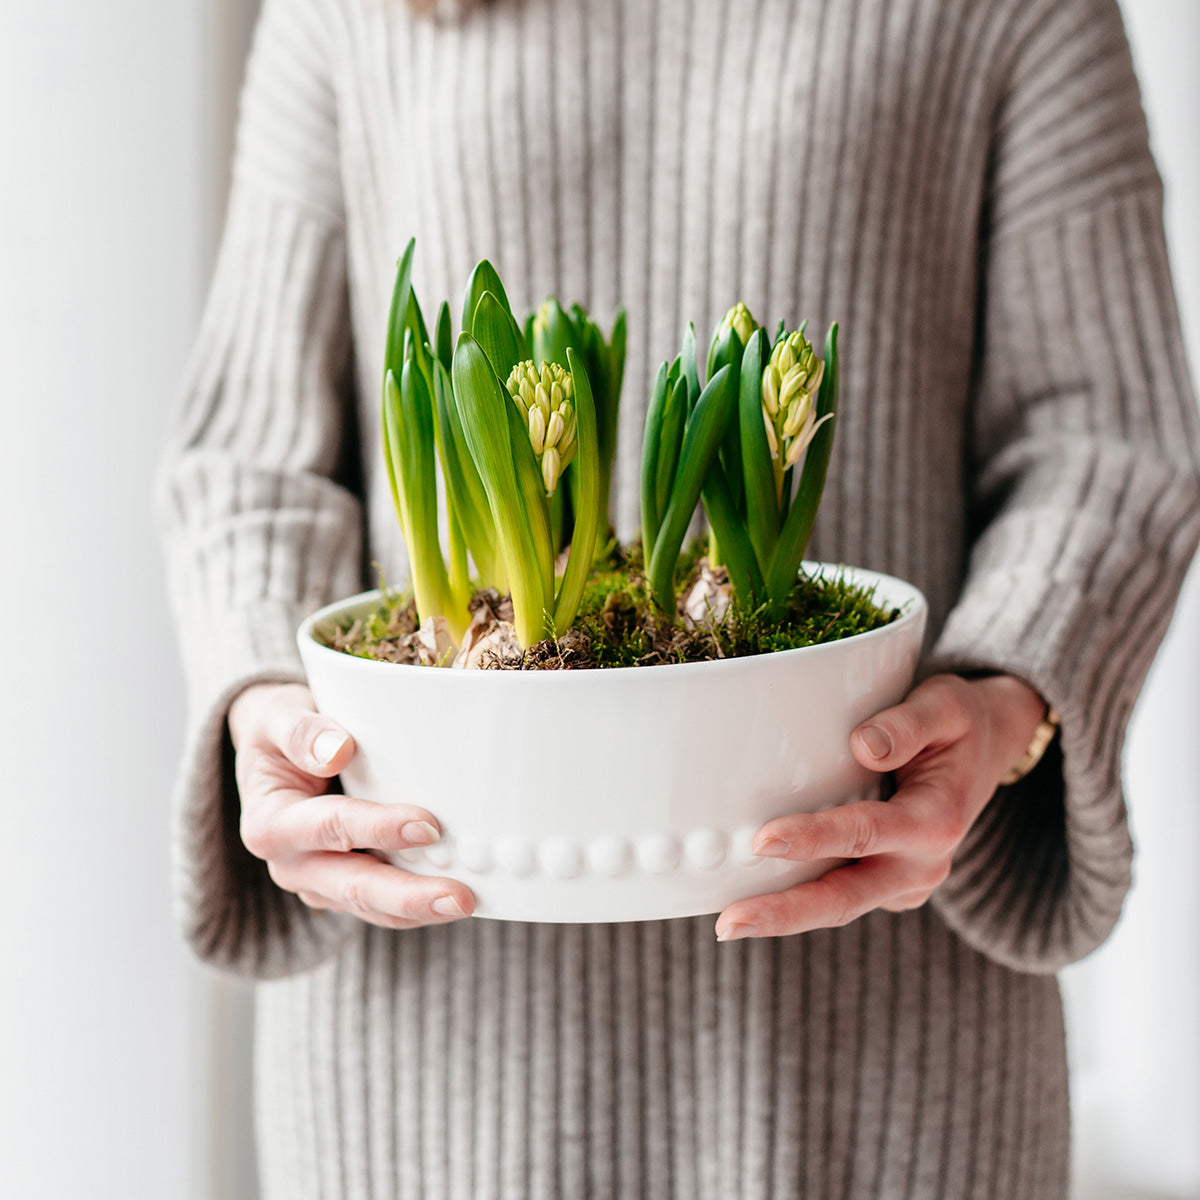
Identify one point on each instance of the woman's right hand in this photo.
(286, 753)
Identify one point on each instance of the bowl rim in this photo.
(912, 604)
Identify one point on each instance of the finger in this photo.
(837, 898)
(929, 815)
(908, 902)
(268, 783)
(313, 900)
(362, 885)
(307, 739)
(308, 823)
(934, 714)
(857, 830)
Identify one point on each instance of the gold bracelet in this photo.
(1041, 740)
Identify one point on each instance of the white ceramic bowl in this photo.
(620, 794)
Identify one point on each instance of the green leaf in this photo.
(706, 428)
(444, 343)
(537, 514)
(498, 334)
(558, 513)
(460, 581)
(722, 347)
(688, 365)
(727, 353)
(651, 440)
(758, 475)
(608, 411)
(415, 321)
(483, 279)
(393, 346)
(490, 432)
(671, 440)
(418, 483)
(616, 354)
(585, 496)
(797, 527)
(466, 497)
(393, 455)
(736, 551)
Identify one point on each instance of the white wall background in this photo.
(123, 1070)
(106, 207)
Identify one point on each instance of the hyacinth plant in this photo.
(764, 412)
(506, 429)
(520, 420)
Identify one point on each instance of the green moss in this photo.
(619, 626)
(624, 629)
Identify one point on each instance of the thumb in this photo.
(310, 741)
(933, 714)
(284, 719)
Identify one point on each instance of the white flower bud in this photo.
(772, 440)
(770, 390)
(537, 429)
(741, 321)
(551, 469)
(797, 414)
(795, 452)
(793, 385)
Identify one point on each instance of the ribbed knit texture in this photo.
(967, 189)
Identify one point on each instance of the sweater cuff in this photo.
(233, 915)
(1040, 879)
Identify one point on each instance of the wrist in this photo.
(1025, 724)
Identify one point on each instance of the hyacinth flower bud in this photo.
(789, 391)
(566, 443)
(770, 391)
(552, 468)
(741, 321)
(537, 429)
(730, 337)
(522, 385)
(546, 398)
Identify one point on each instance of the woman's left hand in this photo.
(950, 742)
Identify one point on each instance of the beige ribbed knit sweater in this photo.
(966, 187)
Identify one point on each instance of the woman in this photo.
(967, 188)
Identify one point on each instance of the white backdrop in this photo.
(122, 1068)
(1135, 1005)
(101, 197)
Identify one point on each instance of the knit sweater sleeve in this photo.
(257, 533)
(1085, 462)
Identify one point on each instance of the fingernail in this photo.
(773, 848)
(326, 745)
(731, 933)
(876, 740)
(419, 833)
(447, 906)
